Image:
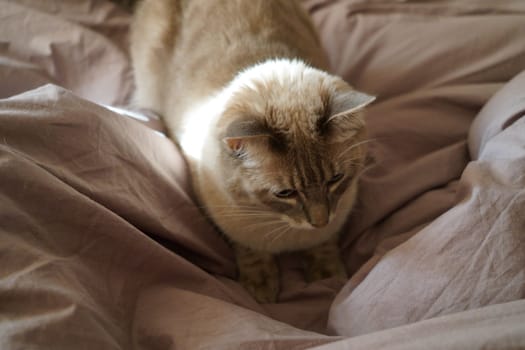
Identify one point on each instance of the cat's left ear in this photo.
(345, 120)
(349, 102)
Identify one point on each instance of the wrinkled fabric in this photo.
(103, 246)
(79, 45)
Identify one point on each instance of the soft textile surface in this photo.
(102, 245)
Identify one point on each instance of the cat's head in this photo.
(293, 142)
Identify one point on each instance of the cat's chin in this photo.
(304, 225)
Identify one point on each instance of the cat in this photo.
(274, 143)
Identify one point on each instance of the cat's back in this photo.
(197, 46)
(221, 37)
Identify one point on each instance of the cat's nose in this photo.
(317, 214)
(320, 223)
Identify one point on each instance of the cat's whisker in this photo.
(245, 211)
(272, 235)
(284, 232)
(351, 161)
(272, 226)
(230, 206)
(234, 210)
(276, 230)
(246, 216)
(262, 225)
(284, 229)
(357, 145)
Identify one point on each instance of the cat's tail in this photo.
(154, 32)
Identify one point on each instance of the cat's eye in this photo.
(335, 178)
(287, 193)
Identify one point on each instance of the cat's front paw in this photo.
(320, 270)
(258, 274)
(263, 287)
(324, 261)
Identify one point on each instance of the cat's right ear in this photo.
(240, 146)
(244, 137)
(235, 144)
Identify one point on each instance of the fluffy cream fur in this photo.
(275, 144)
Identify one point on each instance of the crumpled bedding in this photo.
(103, 246)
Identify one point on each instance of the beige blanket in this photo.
(103, 247)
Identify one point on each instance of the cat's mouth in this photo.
(305, 224)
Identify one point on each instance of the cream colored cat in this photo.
(274, 143)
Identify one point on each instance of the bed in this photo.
(102, 245)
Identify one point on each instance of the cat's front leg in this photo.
(324, 261)
(258, 273)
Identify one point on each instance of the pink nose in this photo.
(319, 224)
(317, 215)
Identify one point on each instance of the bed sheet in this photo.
(102, 244)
